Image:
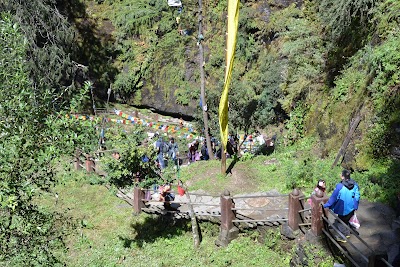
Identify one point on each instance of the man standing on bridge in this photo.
(344, 202)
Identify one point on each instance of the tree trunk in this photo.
(202, 83)
(346, 141)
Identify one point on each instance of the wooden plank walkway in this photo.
(266, 208)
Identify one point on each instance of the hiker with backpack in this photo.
(204, 151)
(344, 202)
(161, 146)
(173, 150)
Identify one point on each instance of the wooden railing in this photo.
(373, 260)
(229, 216)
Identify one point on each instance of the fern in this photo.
(342, 14)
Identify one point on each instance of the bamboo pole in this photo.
(202, 82)
(223, 159)
(195, 227)
(223, 146)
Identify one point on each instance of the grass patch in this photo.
(107, 234)
(289, 167)
(285, 169)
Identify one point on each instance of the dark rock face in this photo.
(164, 100)
(156, 99)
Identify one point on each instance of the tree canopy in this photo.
(33, 136)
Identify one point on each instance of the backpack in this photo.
(203, 150)
(165, 147)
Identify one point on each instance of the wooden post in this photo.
(89, 164)
(138, 204)
(316, 212)
(227, 214)
(228, 231)
(294, 208)
(223, 159)
(77, 160)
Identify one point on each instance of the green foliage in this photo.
(49, 46)
(349, 84)
(385, 61)
(32, 139)
(295, 124)
(122, 172)
(156, 55)
(26, 231)
(268, 108)
(344, 14)
(386, 17)
(303, 49)
(381, 182)
(315, 255)
(372, 77)
(136, 18)
(246, 156)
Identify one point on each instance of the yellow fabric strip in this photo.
(233, 20)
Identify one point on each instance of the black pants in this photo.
(345, 219)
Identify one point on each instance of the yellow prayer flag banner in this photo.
(233, 21)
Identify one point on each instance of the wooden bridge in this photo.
(289, 212)
(251, 210)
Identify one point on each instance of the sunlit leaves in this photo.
(32, 137)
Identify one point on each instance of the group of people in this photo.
(198, 150)
(194, 154)
(344, 202)
(169, 151)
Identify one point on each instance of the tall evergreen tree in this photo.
(50, 45)
(32, 136)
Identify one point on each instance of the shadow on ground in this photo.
(154, 228)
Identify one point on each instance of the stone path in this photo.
(379, 229)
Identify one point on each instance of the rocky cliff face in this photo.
(156, 100)
(160, 97)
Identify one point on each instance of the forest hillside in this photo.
(323, 75)
(312, 68)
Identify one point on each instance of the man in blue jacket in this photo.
(344, 202)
